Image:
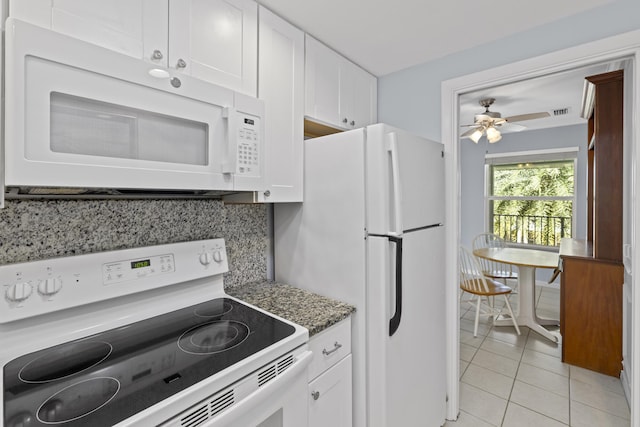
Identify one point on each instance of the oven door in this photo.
(79, 115)
(280, 402)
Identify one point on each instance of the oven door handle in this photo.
(274, 387)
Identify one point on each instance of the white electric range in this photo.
(144, 336)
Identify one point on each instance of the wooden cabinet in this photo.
(605, 166)
(338, 93)
(213, 40)
(590, 309)
(330, 377)
(592, 272)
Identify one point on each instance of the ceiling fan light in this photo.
(475, 136)
(493, 135)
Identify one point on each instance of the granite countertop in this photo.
(305, 308)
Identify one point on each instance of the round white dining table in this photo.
(527, 260)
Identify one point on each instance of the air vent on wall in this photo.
(561, 111)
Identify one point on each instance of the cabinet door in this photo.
(281, 86)
(133, 27)
(322, 83)
(330, 397)
(215, 40)
(365, 102)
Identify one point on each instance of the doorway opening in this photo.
(624, 47)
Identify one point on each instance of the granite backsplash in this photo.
(40, 229)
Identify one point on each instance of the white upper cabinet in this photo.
(213, 40)
(216, 40)
(338, 93)
(281, 86)
(134, 27)
(322, 83)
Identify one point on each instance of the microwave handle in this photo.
(231, 115)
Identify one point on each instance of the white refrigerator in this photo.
(370, 232)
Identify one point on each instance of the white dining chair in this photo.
(473, 281)
(493, 269)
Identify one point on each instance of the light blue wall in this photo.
(472, 215)
(410, 99)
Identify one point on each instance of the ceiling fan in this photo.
(489, 122)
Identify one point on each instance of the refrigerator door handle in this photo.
(394, 322)
(392, 149)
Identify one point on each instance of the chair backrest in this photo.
(488, 240)
(471, 277)
(491, 268)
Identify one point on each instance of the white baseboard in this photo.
(626, 385)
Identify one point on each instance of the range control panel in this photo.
(39, 287)
(122, 271)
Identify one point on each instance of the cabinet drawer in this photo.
(329, 347)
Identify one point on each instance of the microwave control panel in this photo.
(248, 155)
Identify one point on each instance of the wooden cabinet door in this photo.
(281, 86)
(330, 397)
(133, 27)
(215, 40)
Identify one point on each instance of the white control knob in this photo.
(50, 286)
(18, 292)
(218, 256)
(206, 258)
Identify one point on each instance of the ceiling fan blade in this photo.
(468, 133)
(530, 116)
(475, 125)
(511, 127)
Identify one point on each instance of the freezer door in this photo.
(404, 180)
(406, 371)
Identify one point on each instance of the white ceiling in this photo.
(384, 36)
(549, 93)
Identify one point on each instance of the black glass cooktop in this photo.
(105, 378)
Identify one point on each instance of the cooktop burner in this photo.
(213, 337)
(64, 361)
(105, 378)
(78, 400)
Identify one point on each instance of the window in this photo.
(531, 198)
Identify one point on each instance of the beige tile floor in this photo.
(518, 381)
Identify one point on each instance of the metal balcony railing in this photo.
(532, 230)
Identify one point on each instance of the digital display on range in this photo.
(249, 122)
(140, 264)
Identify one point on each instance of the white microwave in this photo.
(81, 116)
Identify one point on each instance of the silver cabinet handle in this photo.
(345, 120)
(175, 82)
(336, 347)
(353, 123)
(315, 395)
(181, 63)
(156, 54)
(267, 193)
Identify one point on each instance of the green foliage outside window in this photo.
(532, 203)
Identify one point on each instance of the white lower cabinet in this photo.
(330, 377)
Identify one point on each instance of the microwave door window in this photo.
(83, 126)
(89, 127)
(174, 140)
